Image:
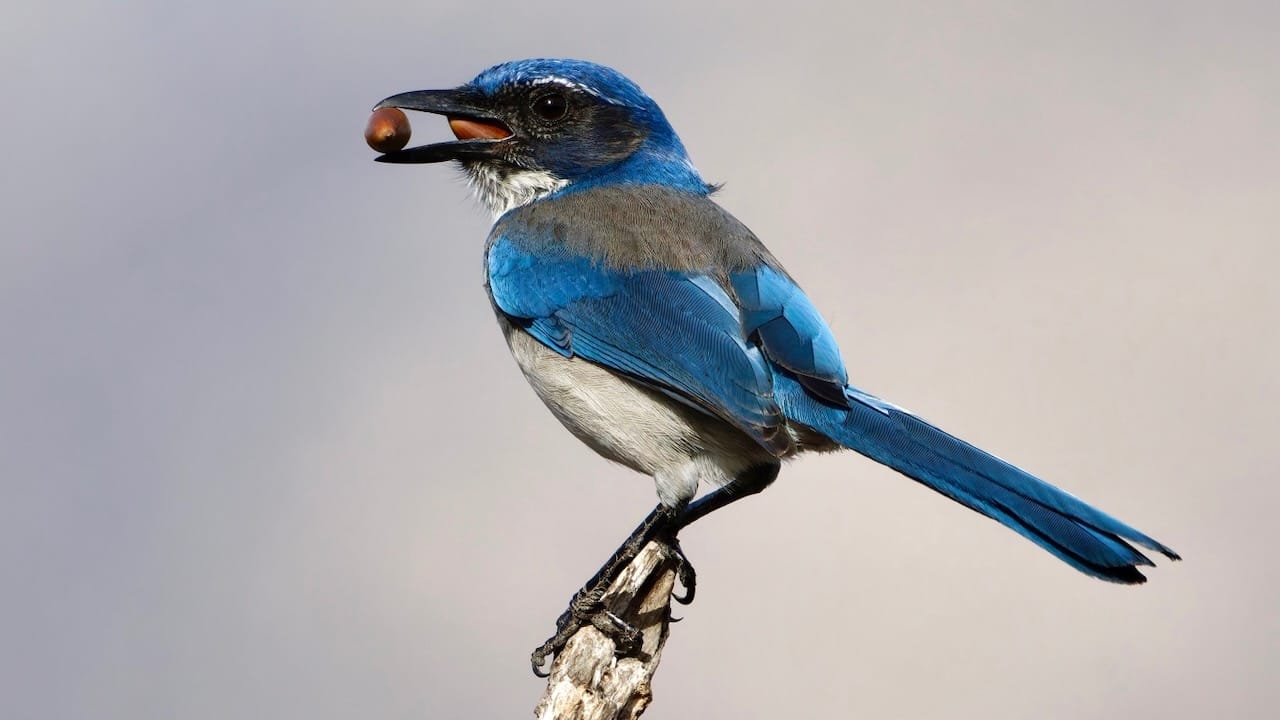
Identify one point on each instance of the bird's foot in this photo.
(585, 609)
(588, 607)
(684, 573)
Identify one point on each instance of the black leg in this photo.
(751, 481)
(662, 524)
(585, 607)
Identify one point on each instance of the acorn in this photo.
(388, 130)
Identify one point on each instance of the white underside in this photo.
(637, 427)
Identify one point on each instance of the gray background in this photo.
(263, 452)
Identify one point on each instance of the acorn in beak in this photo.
(477, 128)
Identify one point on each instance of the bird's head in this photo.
(529, 128)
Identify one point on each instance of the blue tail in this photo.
(1087, 539)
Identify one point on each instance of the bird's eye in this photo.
(550, 107)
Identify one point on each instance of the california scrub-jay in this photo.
(663, 334)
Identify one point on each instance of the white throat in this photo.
(502, 188)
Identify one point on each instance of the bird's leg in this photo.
(661, 525)
(684, 571)
(586, 608)
(749, 482)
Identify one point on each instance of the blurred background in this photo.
(263, 452)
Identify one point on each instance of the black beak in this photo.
(464, 108)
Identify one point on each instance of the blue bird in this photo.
(663, 334)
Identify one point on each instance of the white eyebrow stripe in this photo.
(564, 82)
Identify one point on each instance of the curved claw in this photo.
(566, 625)
(685, 573)
(539, 658)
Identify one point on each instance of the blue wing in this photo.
(676, 332)
(787, 325)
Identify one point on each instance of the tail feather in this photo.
(1084, 537)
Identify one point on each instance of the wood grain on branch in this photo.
(588, 681)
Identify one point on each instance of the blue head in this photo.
(530, 128)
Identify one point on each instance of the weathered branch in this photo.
(587, 681)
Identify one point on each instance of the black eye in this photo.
(550, 107)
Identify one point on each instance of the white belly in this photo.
(633, 425)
